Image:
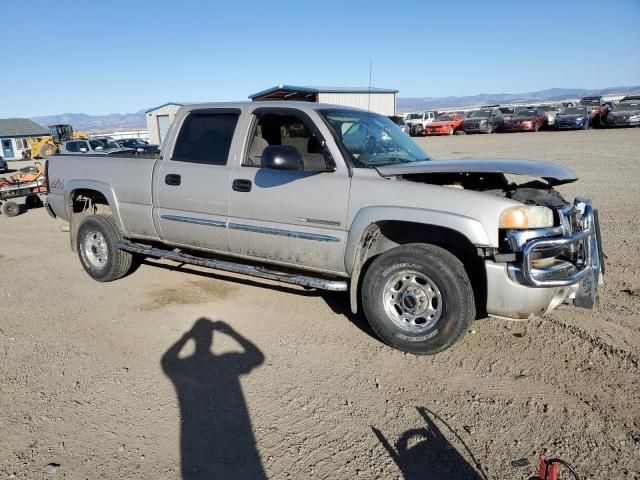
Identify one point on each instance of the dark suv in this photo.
(141, 146)
(485, 120)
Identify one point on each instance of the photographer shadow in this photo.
(216, 438)
(425, 453)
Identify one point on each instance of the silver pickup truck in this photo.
(336, 198)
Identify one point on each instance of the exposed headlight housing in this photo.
(483, 122)
(526, 217)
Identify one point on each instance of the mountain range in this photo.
(118, 121)
(407, 104)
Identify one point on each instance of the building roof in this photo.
(21, 127)
(287, 91)
(179, 104)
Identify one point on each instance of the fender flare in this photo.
(101, 187)
(361, 233)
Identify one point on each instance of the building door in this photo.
(163, 126)
(7, 148)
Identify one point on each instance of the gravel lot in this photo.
(92, 384)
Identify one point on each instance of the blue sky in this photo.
(124, 56)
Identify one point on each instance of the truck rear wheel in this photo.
(101, 259)
(418, 298)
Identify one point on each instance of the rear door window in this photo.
(205, 137)
(72, 147)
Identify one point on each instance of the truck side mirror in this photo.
(281, 157)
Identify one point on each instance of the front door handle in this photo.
(173, 179)
(241, 185)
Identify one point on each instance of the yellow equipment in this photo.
(43, 147)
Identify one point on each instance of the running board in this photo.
(303, 280)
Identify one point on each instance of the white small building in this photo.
(379, 100)
(15, 134)
(159, 119)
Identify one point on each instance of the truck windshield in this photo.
(103, 143)
(481, 114)
(371, 139)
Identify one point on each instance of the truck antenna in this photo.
(369, 96)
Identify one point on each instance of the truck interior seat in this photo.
(258, 144)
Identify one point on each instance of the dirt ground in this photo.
(95, 382)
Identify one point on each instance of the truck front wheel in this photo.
(418, 298)
(101, 259)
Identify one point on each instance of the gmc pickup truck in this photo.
(335, 198)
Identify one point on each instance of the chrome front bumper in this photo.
(550, 266)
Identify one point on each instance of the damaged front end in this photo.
(534, 269)
(568, 255)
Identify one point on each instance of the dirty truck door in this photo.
(193, 180)
(295, 217)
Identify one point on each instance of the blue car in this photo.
(575, 118)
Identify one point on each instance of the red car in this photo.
(444, 124)
(598, 108)
(528, 120)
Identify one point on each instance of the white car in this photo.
(95, 146)
(417, 121)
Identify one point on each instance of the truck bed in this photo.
(125, 179)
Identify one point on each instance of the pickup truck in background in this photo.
(598, 107)
(337, 198)
(418, 122)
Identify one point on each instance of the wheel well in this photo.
(383, 236)
(83, 203)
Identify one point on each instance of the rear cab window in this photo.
(205, 136)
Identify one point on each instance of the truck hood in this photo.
(552, 173)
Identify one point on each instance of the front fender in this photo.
(471, 228)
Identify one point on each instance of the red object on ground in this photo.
(551, 474)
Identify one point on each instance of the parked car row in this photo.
(107, 146)
(590, 111)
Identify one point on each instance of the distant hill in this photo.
(406, 104)
(96, 123)
(117, 121)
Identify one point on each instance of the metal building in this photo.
(15, 134)
(379, 100)
(159, 119)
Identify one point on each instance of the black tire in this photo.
(100, 257)
(453, 292)
(10, 209)
(451, 131)
(33, 201)
(46, 150)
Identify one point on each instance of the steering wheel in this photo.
(371, 145)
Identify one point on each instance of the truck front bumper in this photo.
(553, 266)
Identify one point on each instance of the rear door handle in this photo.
(241, 185)
(173, 179)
